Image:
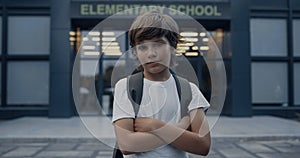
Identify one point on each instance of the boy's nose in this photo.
(152, 52)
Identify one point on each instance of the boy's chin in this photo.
(156, 70)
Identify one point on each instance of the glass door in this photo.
(98, 51)
(200, 49)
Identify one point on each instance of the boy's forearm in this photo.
(184, 123)
(135, 142)
(184, 139)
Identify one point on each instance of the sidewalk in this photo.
(225, 127)
(255, 137)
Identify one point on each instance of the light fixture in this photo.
(91, 53)
(94, 33)
(180, 51)
(185, 44)
(191, 54)
(191, 39)
(189, 34)
(108, 39)
(108, 33)
(204, 48)
(182, 48)
(202, 34)
(72, 39)
(89, 47)
(205, 39)
(72, 33)
(110, 43)
(85, 39)
(96, 39)
(112, 53)
(110, 46)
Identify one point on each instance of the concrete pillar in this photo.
(61, 99)
(241, 103)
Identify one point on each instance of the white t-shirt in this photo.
(159, 101)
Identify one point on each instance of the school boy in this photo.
(159, 130)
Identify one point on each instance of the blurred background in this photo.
(40, 39)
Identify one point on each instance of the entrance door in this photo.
(200, 49)
(112, 43)
(98, 52)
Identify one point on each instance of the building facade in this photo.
(39, 41)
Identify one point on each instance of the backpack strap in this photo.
(117, 152)
(135, 84)
(184, 93)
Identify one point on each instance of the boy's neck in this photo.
(162, 76)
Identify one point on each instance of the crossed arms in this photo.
(191, 134)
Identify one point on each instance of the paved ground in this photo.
(221, 148)
(255, 137)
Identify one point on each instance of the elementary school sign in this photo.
(194, 9)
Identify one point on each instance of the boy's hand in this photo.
(145, 124)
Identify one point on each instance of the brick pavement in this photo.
(255, 137)
(221, 148)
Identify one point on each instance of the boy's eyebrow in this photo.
(159, 40)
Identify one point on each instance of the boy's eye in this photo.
(142, 47)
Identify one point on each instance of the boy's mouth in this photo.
(152, 63)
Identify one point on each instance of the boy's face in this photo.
(154, 55)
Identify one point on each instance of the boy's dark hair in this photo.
(152, 25)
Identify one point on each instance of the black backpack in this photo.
(135, 84)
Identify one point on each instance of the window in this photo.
(0, 62)
(0, 83)
(88, 73)
(110, 44)
(269, 79)
(297, 83)
(28, 78)
(28, 35)
(268, 37)
(28, 83)
(269, 82)
(296, 37)
(89, 70)
(0, 35)
(296, 50)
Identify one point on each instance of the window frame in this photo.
(6, 58)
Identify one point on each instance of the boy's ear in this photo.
(133, 51)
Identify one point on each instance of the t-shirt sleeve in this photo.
(122, 107)
(198, 100)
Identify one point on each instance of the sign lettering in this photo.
(105, 9)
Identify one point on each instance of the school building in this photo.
(39, 40)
